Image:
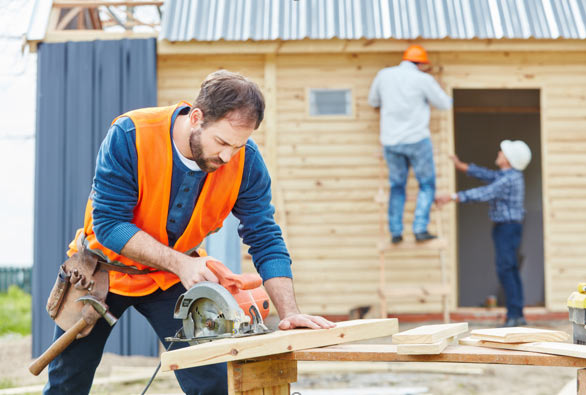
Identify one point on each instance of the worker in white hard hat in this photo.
(505, 194)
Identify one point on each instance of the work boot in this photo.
(396, 239)
(521, 322)
(510, 322)
(424, 236)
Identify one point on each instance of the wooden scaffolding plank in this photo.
(554, 348)
(459, 353)
(519, 335)
(422, 349)
(275, 343)
(428, 334)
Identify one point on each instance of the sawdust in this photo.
(15, 355)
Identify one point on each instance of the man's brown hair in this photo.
(224, 93)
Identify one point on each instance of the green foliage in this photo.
(15, 311)
(6, 383)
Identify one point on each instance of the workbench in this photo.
(274, 374)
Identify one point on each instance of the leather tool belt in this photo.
(82, 274)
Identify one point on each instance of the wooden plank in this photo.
(72, 13)
(91, 35)
(554, 348)
(422, 349)
(251, 375)
(339, 367)
(277, 390)
(519, 335)
(270, 93)
(335, 46)
(404, 291)
(456, 353)
(428, 334)
(581, 382)
(435, 244)
(277, 342)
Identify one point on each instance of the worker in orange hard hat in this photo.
(416, 53)
(404, 94)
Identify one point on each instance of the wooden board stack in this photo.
(525, 339)
(428, 339)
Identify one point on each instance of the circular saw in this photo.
(234, 307)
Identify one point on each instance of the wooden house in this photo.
(515, 71)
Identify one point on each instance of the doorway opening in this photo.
(482, 119)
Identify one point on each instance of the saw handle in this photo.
(231, 281)
(57, 348)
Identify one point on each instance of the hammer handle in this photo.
(57, 347)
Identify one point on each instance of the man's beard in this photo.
(209, 165)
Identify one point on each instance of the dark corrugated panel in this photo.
(241, 20)
(82, 87)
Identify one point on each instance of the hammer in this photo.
(70, 335)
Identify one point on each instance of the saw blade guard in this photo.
(211, 299)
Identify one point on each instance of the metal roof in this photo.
(240, 20)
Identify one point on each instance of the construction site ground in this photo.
(128, 375)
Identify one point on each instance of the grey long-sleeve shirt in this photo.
(404, 94)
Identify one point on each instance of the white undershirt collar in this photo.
(191, 164)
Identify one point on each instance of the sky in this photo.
(18, 73)
(17, 130)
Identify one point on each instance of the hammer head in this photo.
(100, 307)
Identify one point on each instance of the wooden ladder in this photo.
(440, 245)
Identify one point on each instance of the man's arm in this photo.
(436, 95)
(259, 230)
(482, 173)
(460, 166)
(475, 171)
(145, 249)
(480, 194)
(486, 193)
(374, 95)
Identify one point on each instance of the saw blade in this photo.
(209, 320)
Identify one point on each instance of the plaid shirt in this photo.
(504, 193)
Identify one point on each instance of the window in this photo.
(330, 102)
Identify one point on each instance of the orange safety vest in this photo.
(155, 166)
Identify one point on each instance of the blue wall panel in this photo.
(81, 88)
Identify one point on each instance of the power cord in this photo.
(159, 366)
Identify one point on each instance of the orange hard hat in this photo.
(416, 53)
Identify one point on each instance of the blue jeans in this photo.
(399, 157)
(507, 239)
(72, 372)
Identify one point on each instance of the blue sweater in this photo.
(115, 194)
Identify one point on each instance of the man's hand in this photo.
(145, 249)
(462, 166)
(442, 200)
(194, 270)
(299, 320)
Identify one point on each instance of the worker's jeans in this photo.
(399, 157)
(507, 239)
(72, 372)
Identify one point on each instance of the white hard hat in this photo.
(517, 153)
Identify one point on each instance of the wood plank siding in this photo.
(326, 172)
